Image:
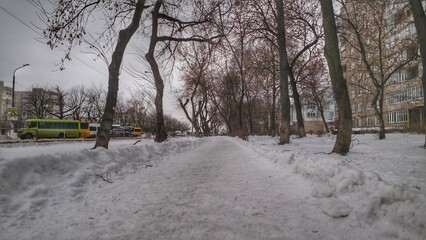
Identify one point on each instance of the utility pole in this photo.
(13, 95)
(13, 83)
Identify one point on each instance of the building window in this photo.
(397, 116)
(370, 122)
(390, 98)
(377, 121)
(393, 79)
(390, 23)
(311, 107)
(311, 114)
(412, 93)
(403, 76)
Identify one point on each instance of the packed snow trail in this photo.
(211, 188)
(219, 191)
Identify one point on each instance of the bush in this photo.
(241, 133)
(319, 133)
(416, 128)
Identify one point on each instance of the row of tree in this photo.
(236, 81)
(242, 59)
(88, 104)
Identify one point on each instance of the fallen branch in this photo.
(104, 177)
(353, 142)
(147, 165)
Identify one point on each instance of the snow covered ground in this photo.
(215, 188)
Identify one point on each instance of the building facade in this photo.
(312, 115)
(388, 76)
(5, 103)
(24, 108)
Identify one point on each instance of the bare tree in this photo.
(95, 104)
(316, 87)
(338, 82)
(39, 101)
(236, 26)
(67, 103)
(58, 96)
(124, 37)
(420, 23)
(137, 109)
(222, 94)
(303, 31)
(284, 68)
(75, 101)
(178, 30)
(194, 99)
(379, 50)
(253, 102)
(67, 24)
(120, 116)
(267, 62)
(267, 65)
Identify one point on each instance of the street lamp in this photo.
(13, 83)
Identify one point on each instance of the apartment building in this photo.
(5, 100)
(312, 116)
(23, 107)
(390, 64)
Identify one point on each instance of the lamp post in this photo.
(13, 83)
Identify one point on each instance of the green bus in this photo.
(50, 128)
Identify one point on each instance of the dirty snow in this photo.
(215, 188)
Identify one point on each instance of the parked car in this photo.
(136, 131)
(121, 132)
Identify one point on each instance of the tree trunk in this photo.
(285, 99)
(297, 105)
(160, 132)
(382, 130)
(273, 122)
(124, 37)
(420, 23)
(193, 120)
(240, 103)
(340, 90)
(321, 110)
(273, 111)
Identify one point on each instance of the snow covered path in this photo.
(219, 191)
(211, 188)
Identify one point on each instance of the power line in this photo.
(15, 17)
(88, 65)
(28, 26)
(72, 55)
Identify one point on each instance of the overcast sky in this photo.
(21, 44)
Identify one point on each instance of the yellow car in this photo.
(136, 131)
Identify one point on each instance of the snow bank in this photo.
(29, 183)
(348, 188)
